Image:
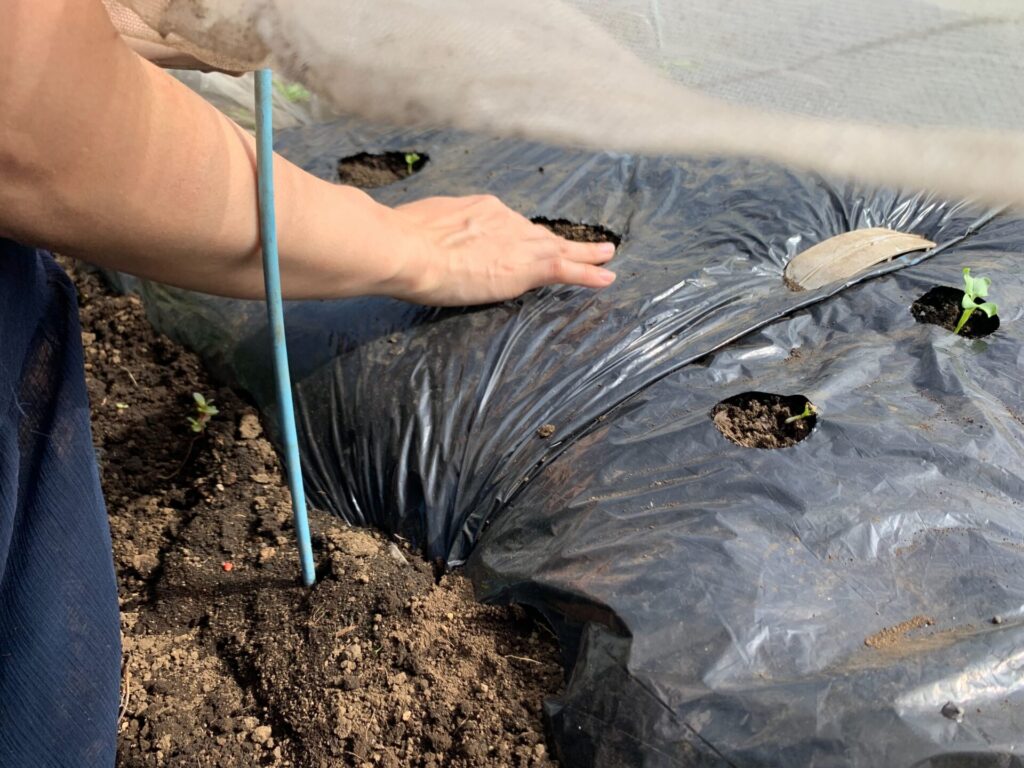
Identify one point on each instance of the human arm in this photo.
(106, 157)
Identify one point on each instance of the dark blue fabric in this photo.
(59, 636)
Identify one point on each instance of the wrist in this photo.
(336, 241)
(409, 262)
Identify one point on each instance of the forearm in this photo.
(104, 157)
(129, 169)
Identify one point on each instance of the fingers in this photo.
(587, 253)
(591, 253)
(485, 251)
(573, 263)
(567, 271)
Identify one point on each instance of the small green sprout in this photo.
(809, 410)
(975, 288)
(411, 158)
(205, 410)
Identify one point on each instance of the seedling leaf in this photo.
(974, 288)
(205, 410)
(411, 158)
(809, 410)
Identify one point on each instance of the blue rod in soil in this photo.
(275, 313)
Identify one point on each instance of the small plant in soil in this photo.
(957, 310)
(764, 419)
(975, 288)
(205, 410)
(808, 411)
(368, 170)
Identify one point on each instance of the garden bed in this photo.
(769, 527)
(227, 661)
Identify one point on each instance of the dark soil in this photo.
(941, 306)
(368, 170)
(579, 233)
(228, 662)
(758, 419)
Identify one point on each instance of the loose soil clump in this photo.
(579, 233)
(758, 419)
(228, 661)
(893, 636)
(941, 306)
(367, 170)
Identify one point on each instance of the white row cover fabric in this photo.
(913, 93)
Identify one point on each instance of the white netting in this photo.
(922, 93)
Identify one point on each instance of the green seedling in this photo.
(411, 158)
(975, 288)
(809, 410)
(205, 410)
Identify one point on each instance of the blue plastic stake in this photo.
(275, 313)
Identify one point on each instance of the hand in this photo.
(475, 250)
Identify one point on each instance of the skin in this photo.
(105, 157)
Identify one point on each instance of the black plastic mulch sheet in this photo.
(713, 601)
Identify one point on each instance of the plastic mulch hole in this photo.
(367, 170)
(765, 420)
(941, 306)
(579, 233)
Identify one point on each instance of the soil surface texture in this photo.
(579, 233)
(227, 660)
(941, 306)
(758, 419)
(368, 170)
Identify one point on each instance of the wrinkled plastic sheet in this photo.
(712, 601)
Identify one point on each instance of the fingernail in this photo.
(607, 276)
(606, 249)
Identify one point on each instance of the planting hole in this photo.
(941, 306)
(579, 233)
(368, 170)
(758, 419)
